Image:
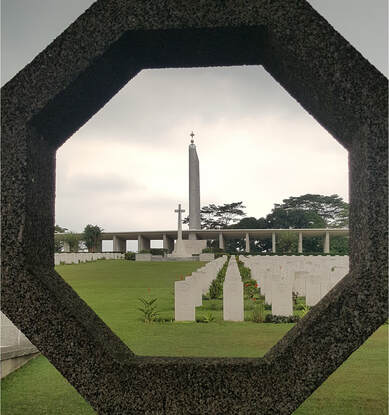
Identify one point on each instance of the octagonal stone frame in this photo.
(72, 79)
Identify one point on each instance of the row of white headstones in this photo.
(278, 277)
(311, 277)
(78, 257)
(10, 335)
(188, 293)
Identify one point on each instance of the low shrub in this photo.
(215, 289)
(158, 251)
(129, 256)
(250, 289)
(270, 318)
(258, 314)
(212, 251)
(214, 305)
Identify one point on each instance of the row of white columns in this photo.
(326, 247)
(119, 244)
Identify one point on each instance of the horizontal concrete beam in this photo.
(214, 233)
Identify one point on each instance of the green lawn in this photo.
(112, 289)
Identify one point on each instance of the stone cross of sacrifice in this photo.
(179, 211)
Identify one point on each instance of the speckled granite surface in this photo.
(73, 78)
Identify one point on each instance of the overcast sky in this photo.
(127, 168)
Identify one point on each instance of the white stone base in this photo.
(186, 248)
(142, 257)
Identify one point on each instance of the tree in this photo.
(287, 243)
(332, 209)
(91, 237)
(255, 246)
(73, 240)
(286, 218)
(312, 211)
(220, 216)
(295, 212)
(339, 245)
(58, 243)
(59, 229)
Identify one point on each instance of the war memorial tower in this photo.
(186, 248)
(194, 187)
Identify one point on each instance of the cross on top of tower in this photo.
(179, 210)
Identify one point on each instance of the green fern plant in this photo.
(304, 310)
(149, 309)
(208, 318)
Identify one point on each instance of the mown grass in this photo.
(112, 289)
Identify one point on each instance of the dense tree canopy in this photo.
(59, 229)
(220, 216)
(285, 218)
(58, 243)
(296, 212)
(73, 240)
(332, 209)
(91, 237)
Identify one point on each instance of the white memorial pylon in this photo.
(194, 187)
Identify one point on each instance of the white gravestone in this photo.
(282, 301)
(233, 306)
(299, 283)
(184, 302)
(195, 281)
(313, 294)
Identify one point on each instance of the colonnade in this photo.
(221, 235)
(326, 245)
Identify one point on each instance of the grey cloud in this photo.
(156, 101)
(86, 185)
(363, 23)
(27, 27)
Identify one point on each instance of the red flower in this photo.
(256, 285)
